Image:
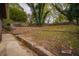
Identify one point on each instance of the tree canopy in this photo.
(17, 14)
(39, 12)
(68, 10)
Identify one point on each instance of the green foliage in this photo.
(39, 12)
(60, 18)
(71, 11)
(17, 14)
(7, 24)
(74, 11)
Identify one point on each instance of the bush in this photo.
(7, 24)
(17, 14)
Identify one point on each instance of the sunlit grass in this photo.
(59, 38)
(46, 36)
(63, 27)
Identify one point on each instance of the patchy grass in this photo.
(55, 41)
(62, 27)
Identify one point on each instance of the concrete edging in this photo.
(36, 48)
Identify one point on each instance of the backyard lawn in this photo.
(55, 38)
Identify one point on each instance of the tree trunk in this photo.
(77, 21)
(3, 14)
(0, 30)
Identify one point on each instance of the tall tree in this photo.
(63, 9)
(17, 13)
(39, 12)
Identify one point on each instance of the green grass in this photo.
(60, 38)
(63, 27)
(65, 36)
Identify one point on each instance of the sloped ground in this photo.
(54, 38)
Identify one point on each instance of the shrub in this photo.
(18, 15)
(7, 24)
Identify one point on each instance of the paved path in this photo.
(14, 47)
